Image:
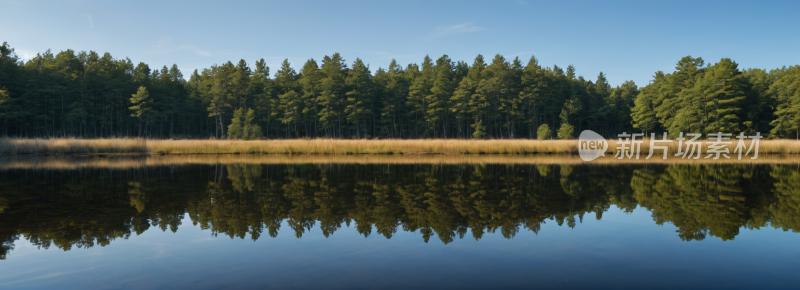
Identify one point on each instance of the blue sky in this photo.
(627, 40)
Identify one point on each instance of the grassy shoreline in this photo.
(126, 146)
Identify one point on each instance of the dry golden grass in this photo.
(71, 146)
(330, 146)
(125, 162)
(336, 146)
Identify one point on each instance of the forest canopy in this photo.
(88, 95)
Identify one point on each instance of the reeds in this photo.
(335, 146)
(72, 146)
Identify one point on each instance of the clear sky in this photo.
(627, 40)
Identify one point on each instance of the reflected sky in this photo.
(623, 250)
(646, 235)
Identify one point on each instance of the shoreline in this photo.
(126, 146)
(139, 161)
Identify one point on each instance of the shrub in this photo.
(544, 132)
(566, 131)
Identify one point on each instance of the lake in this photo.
(252, 222)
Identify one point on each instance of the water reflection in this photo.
(84, 207)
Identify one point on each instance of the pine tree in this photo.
(723, 97)
(311, 84)
(620, 102)
(643, 114)
(218, 95)
(396, 93)
(534, 92)
(678, 99)
(251, 130)
(557, 92)
(261, 88)
(493, 94)
(142, 107)
(288, 106)
(760, 104)
(236, 128)
(566, 130)
(285, 78)
(515, 106)
(418, 96)
(786, 91)
(441, 91)
(291, 107)
(240, 84)
(359, 99)
(464, 95)
(333, 94)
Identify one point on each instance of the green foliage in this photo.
(142, 106)
(465, 95)
(359, 98)
(480, 130)
(291, 107)
(715, 98)
(418, 98)
(786, 91)
(566, 131)
(534, 92)
(84, 94)
(5, 97)
(643, 114)
(543, 133)
(252, 131)
(236, 128)
(244, 126)
(723, 96)
(331, 100)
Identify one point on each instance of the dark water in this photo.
(401, 226)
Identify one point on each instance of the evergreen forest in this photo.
(91, 95)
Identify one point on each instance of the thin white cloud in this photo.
(196, 50)
(165, 46)
(91, 22)
(455, 29)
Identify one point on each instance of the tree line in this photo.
(88, 95)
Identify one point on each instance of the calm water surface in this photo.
(365, 226)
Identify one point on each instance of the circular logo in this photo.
(591, 145)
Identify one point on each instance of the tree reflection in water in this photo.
(94, 206)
